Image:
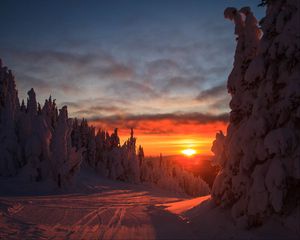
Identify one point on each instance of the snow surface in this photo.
(185, 205)
(96, 208)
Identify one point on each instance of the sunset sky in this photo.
(158, 66)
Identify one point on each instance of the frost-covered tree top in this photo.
(260, 156)
(31, 102)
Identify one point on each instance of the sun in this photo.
(189, 152)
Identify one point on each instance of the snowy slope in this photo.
(94, 209)
(208, 221)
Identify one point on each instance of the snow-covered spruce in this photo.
(10, 151)
(65, 159)
(34, 142)
(104, 153)
(169, 175)
(260, 156)
(42, 143)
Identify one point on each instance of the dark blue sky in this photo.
(122, 57)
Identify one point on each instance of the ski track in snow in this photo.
(130, 213)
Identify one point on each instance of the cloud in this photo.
(55, 56)
(200, 118)
(162, 67)
(99, 110)
(154, 80)
(132, 90)
(27, 82)
(67, 88)
(181, 83)
(118, 71)
(176, 118)
(221, 104)
(106, 108)
(162, 124)
(43, 87)
(218, 71)
(86, 108)
(212, 93)
(70, 104)
(71, 65)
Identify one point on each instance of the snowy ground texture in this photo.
(104, 209)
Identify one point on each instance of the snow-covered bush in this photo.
(259, 157)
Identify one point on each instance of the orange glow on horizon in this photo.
(168, 138)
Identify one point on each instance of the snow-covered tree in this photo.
(259, 157)
(141, 155)
(65, 159)
(50, 113)
(167, 174)
(34, 135)
(130, 160)
(10, 153)
(40, 143)
(101, 160)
